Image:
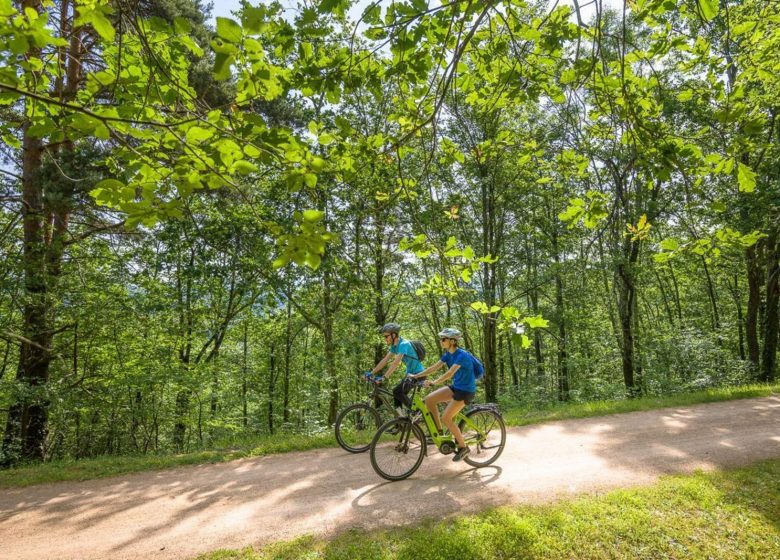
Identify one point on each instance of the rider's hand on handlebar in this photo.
(427, 383)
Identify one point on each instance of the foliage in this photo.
(227, 213)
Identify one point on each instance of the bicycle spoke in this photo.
(397, 450)
(355, 427)
(484, 430)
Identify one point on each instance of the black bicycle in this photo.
(357, 423)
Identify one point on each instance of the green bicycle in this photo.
(357, 423)
(399, 446)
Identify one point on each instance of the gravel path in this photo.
(182, 512)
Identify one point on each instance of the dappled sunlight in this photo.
(250, 501)
(673, 423)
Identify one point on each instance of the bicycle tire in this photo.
(492, 422)
(370, 422)
(390, 447)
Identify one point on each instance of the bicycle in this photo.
(357, 423)
(399, 445)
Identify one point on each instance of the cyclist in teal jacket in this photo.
(401, 350)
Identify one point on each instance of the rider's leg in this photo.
(398, 397)
(449, 420)
(440, 395)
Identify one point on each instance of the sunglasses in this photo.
(443, 339)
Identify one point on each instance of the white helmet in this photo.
(451, 333)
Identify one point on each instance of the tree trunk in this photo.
(625, 280)
(677, 305)
(740, 319)
(288, 341)
(560, 312)
(769, 351)
(664, 297)
(512, 366)
(244, 374)
(753, 305)
(380, 312)
(329, 343)
(271, 386)
(711, 295)
(26, 424)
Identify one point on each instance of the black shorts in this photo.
(464, 396)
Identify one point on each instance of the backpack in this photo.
(419, 348)
(479, 368)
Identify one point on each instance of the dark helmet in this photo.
(390, 328)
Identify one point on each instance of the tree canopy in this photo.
(202, 226)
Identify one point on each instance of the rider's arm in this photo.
(394, 365)
(446, 376)
(381, 363)
(428, 370)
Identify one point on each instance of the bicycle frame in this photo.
(418, 405)
(384, 395)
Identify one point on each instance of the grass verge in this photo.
(521, 416)
(732, 514)
(85, 469)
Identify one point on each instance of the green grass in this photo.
(732, 514)
(521, 416)
(86, 469)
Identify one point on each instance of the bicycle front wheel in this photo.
(355, 426)
(398, 449)
(486, 433)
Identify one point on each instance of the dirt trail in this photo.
(182, 512)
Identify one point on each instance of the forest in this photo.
(204, 222)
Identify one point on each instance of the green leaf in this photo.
(317, 164)
(709, 8)
(337, 7)
(196, 134)
(742, 28)
(480, 306)
(746, 178)
(6, 9)
(537, 322)
(372, 14)
(244, 167)
(670, 244)
(222, 64)
(229, 30)
(685, 95)
(96, 18)
(313, 260)
(718, 206)
(281, 260)
(252, 19)
(105, 192)
(313, 216)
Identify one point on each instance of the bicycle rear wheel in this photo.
(489, 433)
(355, 426)
(398, 449)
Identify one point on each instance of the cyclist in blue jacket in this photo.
(460, 368)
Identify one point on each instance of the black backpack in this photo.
(419, 348)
